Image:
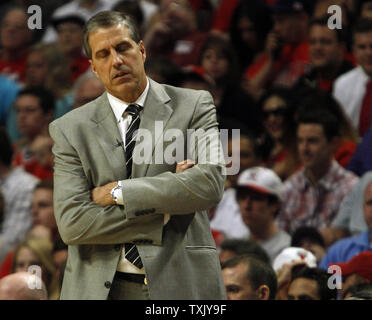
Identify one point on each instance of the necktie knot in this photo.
(133, 109)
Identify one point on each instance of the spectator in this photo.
(311, 284)
(355, 271)
(344, 249)
(361, 161)
(219, 60)
(175, 35)
(277, 109)
(15, 38)
(35, 110)
(162, 70)
(17, 287)
(227, 217)
(70, 38)
(259, 197)
(312, 196)
(288, 262)
(351, 214)
(362, 291)
(87, 88)
(195, 77)
(310, 239)
(364, 9)
(251, 22)
(286, 51)
(38, 252)
(17, 187)
(8, 93)
(231, 248)
(134, 9)
(353, 89)
(248, 278)
(326, 50)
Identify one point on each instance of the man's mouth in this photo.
(120, 74)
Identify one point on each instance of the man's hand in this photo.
(102, 195)
(184, 165)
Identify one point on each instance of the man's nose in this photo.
(117, 59)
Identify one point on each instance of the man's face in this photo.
(36, 68)
(118, 62)
(303, 289)
(366, 11)
(177, 16)
(314, 149)
(215, 63)
(30, 117)
(325, 49)
(70, 37)
(367, 205)
(286, 25)
(237, 286)
(14, 30)
(274, 110)
(42, 208)
(362, 49)
(257, 212)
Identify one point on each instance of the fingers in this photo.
(184, 165)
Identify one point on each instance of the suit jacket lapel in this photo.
(156, 108)
(108, 136)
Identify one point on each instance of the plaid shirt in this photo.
(17, 188)
(307, 205)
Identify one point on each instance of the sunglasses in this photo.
(276, 112)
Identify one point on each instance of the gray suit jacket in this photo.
(180, 258)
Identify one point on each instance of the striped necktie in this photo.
(131, 251)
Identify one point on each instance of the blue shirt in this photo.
(361, 160)
(344, 249)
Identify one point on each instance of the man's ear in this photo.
(93, 68)
(142, 48)
(263, 292)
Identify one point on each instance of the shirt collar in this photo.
(119, 106)
(325, 181)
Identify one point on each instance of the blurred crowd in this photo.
(299, 90)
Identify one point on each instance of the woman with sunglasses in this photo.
(277, 119)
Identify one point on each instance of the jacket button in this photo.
(117, 247)
(108, 284)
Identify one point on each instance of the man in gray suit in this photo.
(136, 230)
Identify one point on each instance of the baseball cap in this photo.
(360, 264)
(75, 18)
(294, 254)
(291, 6)
(261, 179)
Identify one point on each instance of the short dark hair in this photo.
(6, 154)
(361, 291)
(106, 19)
(323, 22)
(321, 277)
(304, 233)
(245, 247)
(362, 25)
(259, 273)
(315, 108)
(45, 96)
(45, 184)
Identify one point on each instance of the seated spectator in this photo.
(311, 284)
(15, 38)
(350, 217)
(227, 217)
(162, 70)
(175, 35)
(231, 248)
(259, 197)
(355, 271)
(17, 187)
(250, 23)
(310, 239)
(46, 66)
(248, 278)
(344, 249)
(38, 252)
(362, 291)
(286, 51)
(353, 90)
(277, 109)
(17, 287)
(87, 88)
(312, 196)
(288, 262)
(195, 77)
(219, 60)
(364, 9)
(326, 50)
(8, 93)
(35, 109)
(70, 38)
